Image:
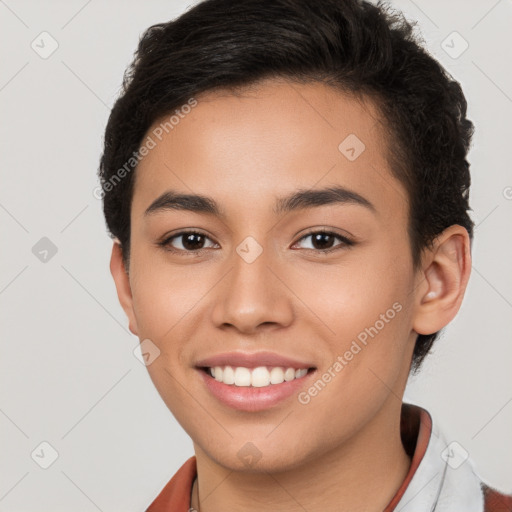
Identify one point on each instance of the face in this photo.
(323, 283)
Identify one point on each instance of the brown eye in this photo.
(186, 241)
(192, 241)
(324, 241)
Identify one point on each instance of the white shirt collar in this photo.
(445, 480)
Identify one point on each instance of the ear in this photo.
(122, 282)
(443, 280)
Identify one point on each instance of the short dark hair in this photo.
(353, 46)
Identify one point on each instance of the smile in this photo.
(259, 377)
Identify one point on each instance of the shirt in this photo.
(441, 476)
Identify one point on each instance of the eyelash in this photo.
(346, 242)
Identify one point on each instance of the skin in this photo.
(342, 450)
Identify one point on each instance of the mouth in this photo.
(254, 382)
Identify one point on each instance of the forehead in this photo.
(250, 147)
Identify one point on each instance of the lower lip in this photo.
(250, 399)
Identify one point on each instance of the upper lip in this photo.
(252, 360)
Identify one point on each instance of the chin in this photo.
(261, 456)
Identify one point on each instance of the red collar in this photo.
(415, 425)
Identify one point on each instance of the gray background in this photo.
(68, 373)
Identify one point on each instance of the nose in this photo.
(253, 295)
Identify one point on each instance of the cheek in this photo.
(363, 306)
(165, 303)
(349, 297)
(163, 296)
(364, 356)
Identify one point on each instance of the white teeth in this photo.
(256, 377)
(289, 374)
(260, 377)
(276, 375)
(217, 373)
(242, 376)
(228, 376)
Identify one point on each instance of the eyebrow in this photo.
(299, 200)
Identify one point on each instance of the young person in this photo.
(287, 188)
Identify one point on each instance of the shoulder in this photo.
(495, 501)
(175, 495)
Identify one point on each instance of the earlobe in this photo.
(122, 282)
(444, 279)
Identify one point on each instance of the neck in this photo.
(370, 465)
